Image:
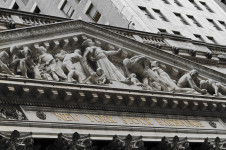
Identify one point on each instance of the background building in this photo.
(201, 20)
(39, 99)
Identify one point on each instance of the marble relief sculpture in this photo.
(22, 60)
(140, 66)
(190, 79)
(212, 87)
(4, 63)
(49, 64)
(88, 63)
(96, 57)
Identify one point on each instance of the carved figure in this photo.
(4, 67)
(22, 60)
(49, 65)
(174, 144)
(16, 141)
(102, 77)
(95, 56)
(115, 144)
(72, 63)
(132, 80)
(75, 143)
(3, 113)
(140, 66)
(171, 84)
(189, 80)
(212, 87)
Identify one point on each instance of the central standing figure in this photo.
(94, 55)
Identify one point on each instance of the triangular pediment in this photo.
(71, 35)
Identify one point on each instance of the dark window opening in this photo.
(158, 12)
(97, 16)
(178, 3)
(212, 39)
(176, 32)
(207, 7)
(146, 12)
(199, 37)
(195, 5)
(37, 10)
(162, 30)
(15, 6)
(214, 24)
(181, 18)
(194, 21)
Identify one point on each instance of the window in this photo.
(25, 2)
(222, 23)
(178, 3)
(166, 1)
(214, 24)
(15, 6)
(93, 13)
(162, 30)
(206, 6)
(194, 21)
(198, 37)
(67, 9)
(36, 10)
(158, 12)
(97, 16)
(195, 5)
(146, 12)
(181, 18)
(212, 39)
(176, 32)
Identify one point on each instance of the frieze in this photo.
(121, 120)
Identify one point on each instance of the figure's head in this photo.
(88, 43)
(194, 73)
(132, 75)
(126, 61)
(100, 71)
(77, 51)
(155, 64)
(203, 84)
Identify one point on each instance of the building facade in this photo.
(194, 19)
(68, 84)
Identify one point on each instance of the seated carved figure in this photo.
(212, 87)
(48, 64)
(190, 79)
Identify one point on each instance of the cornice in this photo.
(81, 96)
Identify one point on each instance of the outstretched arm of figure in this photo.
(109, 53)
(194, 86)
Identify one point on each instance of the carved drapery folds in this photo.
(16, 141)
(81, 60)
(128, 143)
(74, 143)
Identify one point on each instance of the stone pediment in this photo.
(84, 57)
